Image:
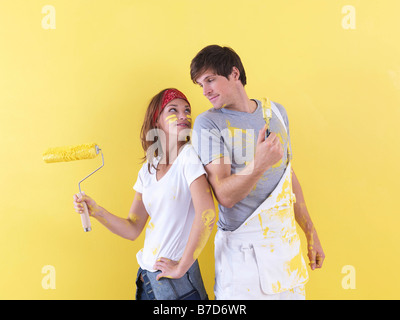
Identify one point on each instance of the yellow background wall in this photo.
(90, 79)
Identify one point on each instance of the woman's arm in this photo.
(203, 224)
(129, 228)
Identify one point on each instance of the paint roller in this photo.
(71, 153)
(267, 114)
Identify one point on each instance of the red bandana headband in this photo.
(169, 95)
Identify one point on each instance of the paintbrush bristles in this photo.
(70, 153)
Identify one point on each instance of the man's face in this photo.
(217, 89)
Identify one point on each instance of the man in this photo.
(247, 156)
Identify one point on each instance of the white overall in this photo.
(262, 258)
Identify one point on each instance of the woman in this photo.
(173, 191)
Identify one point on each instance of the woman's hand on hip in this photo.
(169, 269)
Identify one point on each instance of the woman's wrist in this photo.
(183, 267)
(96, 211)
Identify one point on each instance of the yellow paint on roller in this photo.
(70, 153)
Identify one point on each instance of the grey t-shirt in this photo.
(234, 134)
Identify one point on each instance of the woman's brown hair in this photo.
(148, 124)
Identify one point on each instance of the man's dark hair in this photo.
(219, 59)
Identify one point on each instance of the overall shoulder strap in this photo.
(278, 114)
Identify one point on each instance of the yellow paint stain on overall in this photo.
(276, 287)
(285, 192)
(265, 230)
(295, 267)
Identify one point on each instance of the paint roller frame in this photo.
(53, 155)
(85, 215)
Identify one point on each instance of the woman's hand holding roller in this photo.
(92, 206)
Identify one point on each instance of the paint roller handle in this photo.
(85, 215)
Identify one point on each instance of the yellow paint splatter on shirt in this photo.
(150, 226)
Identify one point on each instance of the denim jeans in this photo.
(189, 287)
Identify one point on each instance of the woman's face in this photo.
(175, 117)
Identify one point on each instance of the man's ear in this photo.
(235, 74)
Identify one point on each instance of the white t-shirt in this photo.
(169, 205)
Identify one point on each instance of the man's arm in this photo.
(315, 252)
(230, 189)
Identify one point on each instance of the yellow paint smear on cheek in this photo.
(171, 119)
